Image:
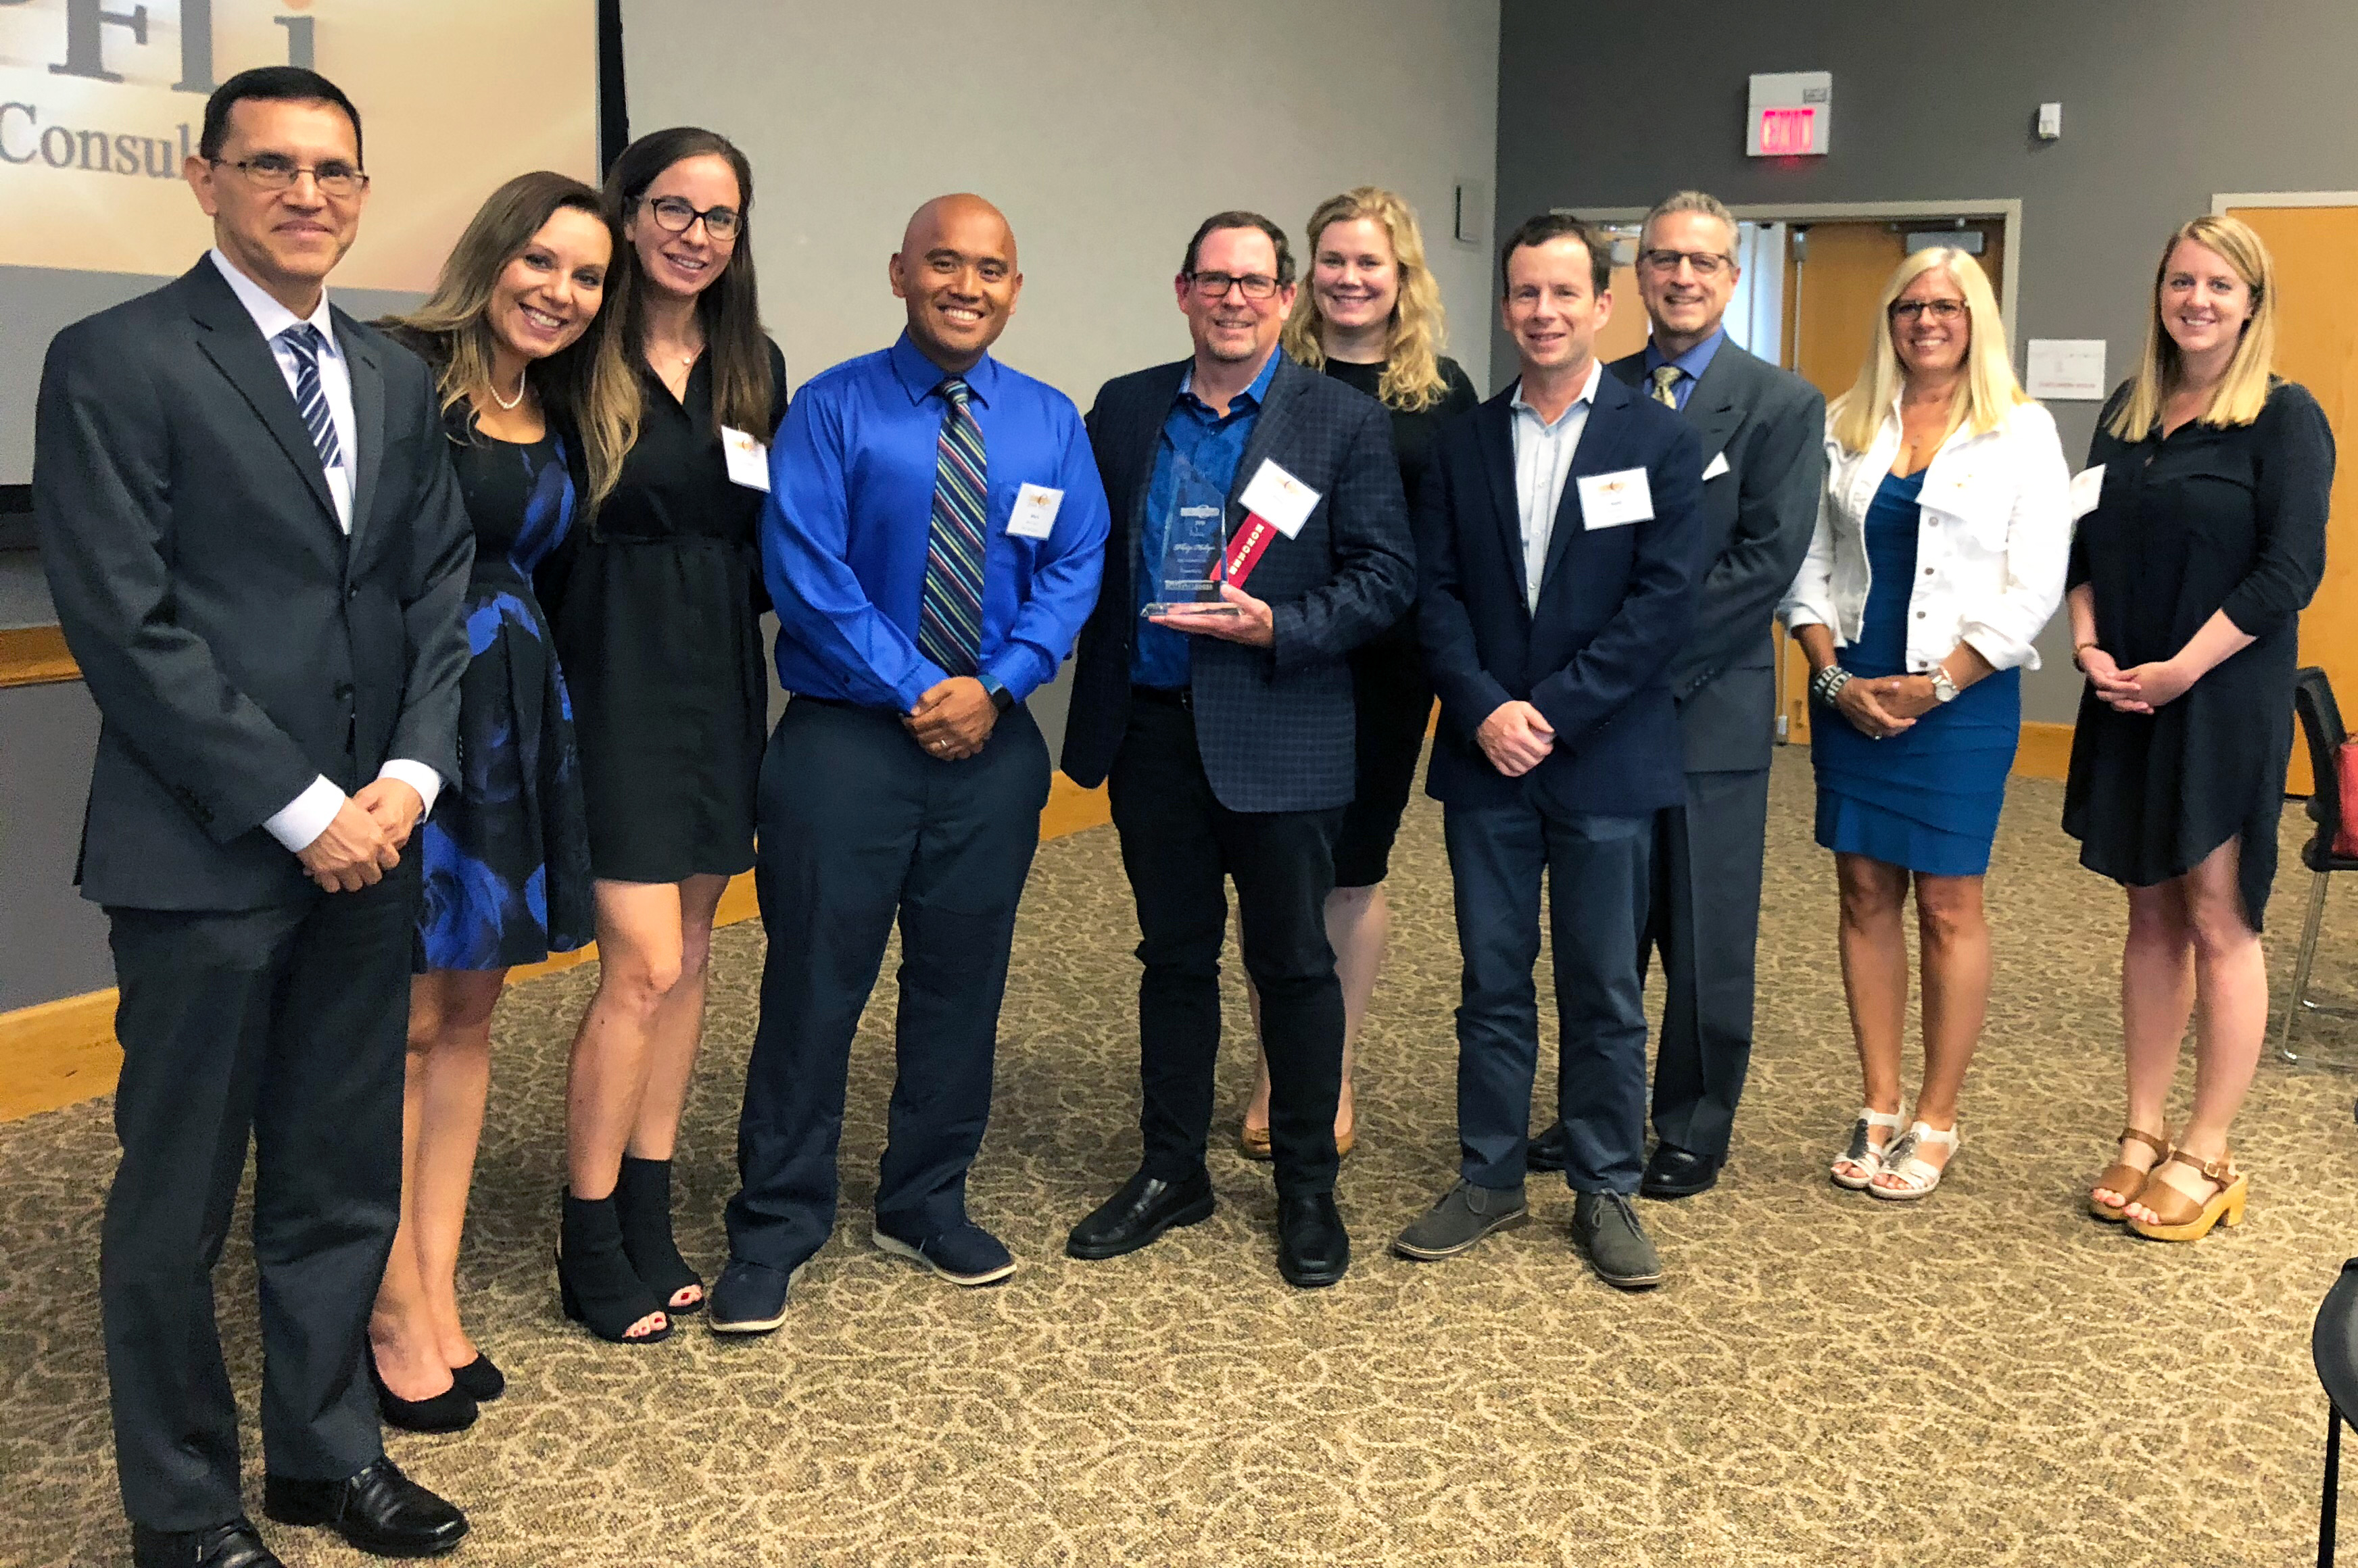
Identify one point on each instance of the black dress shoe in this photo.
(380, 1511)
(1546, 1152)
(1672, 1173)
(232, 1545)
(1312, 1248)
(1138, 1214)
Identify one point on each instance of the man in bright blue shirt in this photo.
(1212, 444)
(933, 543)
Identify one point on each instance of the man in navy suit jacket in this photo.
(1226, 735)
(1559, 543)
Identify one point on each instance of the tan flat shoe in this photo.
(1346, 1141)
(2177, 1217)
(2126, 1179)
(1253, 1142)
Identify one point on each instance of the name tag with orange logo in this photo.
(1615, 500)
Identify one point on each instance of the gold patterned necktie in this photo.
(1665, 377)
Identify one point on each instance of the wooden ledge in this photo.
(36, 655)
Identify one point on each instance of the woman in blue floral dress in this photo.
(537, 428)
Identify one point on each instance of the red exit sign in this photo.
(1787, 133)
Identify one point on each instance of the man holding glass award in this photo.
(1259, 536)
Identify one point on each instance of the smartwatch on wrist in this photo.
(1000, 697)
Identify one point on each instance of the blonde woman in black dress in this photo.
(656, 609)
(2187, 584)
(1371, 319)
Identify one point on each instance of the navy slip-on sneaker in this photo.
(748, 1298)
(967, 1255)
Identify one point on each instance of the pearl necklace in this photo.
(506, 404)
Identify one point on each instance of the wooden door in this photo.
(2317, 345)
(1833, 280)
(1625, 331)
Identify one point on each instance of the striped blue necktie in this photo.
(310, 399)
(949, 617)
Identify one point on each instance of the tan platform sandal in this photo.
(1865, 1156)
(2126, 1179)
(2177, 1217)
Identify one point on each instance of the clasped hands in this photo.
(366, 837)
(952, 718)
(1881, 708)
(1517, 737)
(2140, 689)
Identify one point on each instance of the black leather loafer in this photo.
(1138, 1214)
(1312, 1248)
(1546, 1152)
(380, 1511)
(232, 1545)
(1672, 1173)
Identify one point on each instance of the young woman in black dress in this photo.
(656, 610)
(2187, 584)
(1372, 320)
(536, 397)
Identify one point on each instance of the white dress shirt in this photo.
(304, 819)
(1542, 458)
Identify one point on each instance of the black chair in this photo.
(2321, 727)
(2333, 1345)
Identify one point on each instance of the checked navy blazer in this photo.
(1274, 724)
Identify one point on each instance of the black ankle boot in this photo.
(643, 1200)
(594, 1277)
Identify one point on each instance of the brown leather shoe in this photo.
(2126, 1179)
(1253, 1142)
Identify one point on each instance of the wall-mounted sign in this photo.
(1792, 115)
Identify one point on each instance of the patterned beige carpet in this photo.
(1986, 1378)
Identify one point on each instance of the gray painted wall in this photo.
(2160, 112)
(52, 942)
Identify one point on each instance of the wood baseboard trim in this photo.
(2045, 752)
(36, 655)
(61, 1052)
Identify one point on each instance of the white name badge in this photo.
(1615, 500)
(749, 459)
(2087, 488)
(1034, 512)
(1280, 498)
(1717, 467)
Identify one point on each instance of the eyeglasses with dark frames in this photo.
(276, 172)
(1707, 264)
(1215, 286)
(679, 215)
(1938, 309)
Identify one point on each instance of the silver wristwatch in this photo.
(1943, 688)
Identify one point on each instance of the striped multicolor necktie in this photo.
(949, 617)
(311, 400)
(1664, 378)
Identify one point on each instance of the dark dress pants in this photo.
(1706, 925)
(285, 1024)
(1179, 844)
(858, 827)
(1596, 873)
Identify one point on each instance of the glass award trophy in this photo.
(1194, 540)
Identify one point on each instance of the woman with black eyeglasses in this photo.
(656, 617)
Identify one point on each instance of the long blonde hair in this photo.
(1991, 391)
(589, 382)
(1411, 379)
(2244, 390)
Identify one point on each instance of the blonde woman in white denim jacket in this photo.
(1940, 553)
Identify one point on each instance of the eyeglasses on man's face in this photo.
(678, 215)
(1938, 309)
(1707, 264)
(335, 179)
(1215, 286)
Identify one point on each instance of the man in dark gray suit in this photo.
(1763, 434)
(258, 553)
(1225, 733)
